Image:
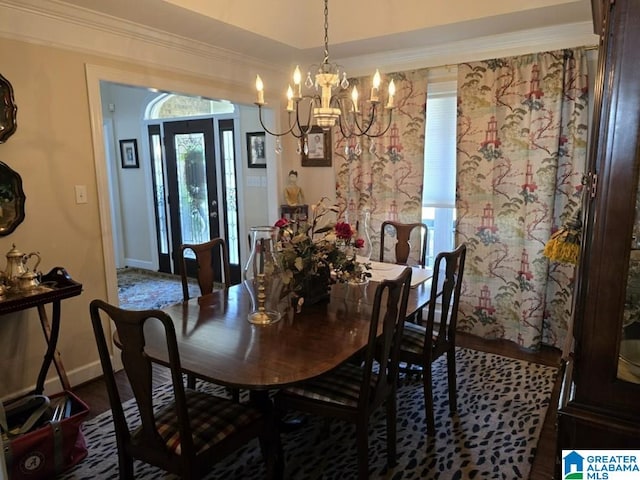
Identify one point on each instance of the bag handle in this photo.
(30, 422)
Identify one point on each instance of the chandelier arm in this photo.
(275, 134)
(377, 135)
(364, 131)
(302, 130)
(352, 132)
(344, 134)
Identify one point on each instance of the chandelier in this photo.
(328, 104)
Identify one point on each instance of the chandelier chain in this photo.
(326, 32)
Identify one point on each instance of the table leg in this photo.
(260, 399)
(51, 332)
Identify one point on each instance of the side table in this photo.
(54, 287)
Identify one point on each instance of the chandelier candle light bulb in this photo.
(375, 87)
(354, 99)
(392, 92)
(297, 78)
(260, 89)
(289, 99)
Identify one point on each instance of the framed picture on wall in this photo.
(319, 145)
(129, 153)
(256, 156)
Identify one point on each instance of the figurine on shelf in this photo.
(293, 194)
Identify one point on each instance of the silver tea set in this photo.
(17, 275)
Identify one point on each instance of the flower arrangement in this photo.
(314, 253)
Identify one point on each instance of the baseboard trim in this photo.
(130, 262)
(77, 376)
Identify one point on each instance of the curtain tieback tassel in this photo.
(564, 245)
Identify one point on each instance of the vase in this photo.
(263, 277)
(360, 223)
(315, 289)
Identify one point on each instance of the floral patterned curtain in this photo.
(522, 145)
(386, 178)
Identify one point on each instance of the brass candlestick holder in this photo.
(262, 277)
(262, 316)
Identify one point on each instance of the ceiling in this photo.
(283, 30)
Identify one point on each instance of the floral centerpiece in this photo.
(314, 253)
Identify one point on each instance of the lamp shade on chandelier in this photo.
(325, 102)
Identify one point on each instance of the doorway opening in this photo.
(185, 190)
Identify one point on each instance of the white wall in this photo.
(125, 106)
(254, 180)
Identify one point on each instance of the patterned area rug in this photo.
(140, 289)
(501, 408)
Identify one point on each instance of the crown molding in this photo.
(481, 48)
(59, 25)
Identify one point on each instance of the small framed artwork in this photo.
(129, 153)
(319, 145)
(256, 150)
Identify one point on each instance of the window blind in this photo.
(440, 146)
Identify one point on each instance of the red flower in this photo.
(343, 231)
(359, 243)
(283, 222)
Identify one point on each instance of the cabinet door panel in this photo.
(604, 265)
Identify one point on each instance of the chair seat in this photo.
(413, 338)
(340, 386)
(212, 420)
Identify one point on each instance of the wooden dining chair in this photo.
(193, 430)
(206, 254)
(353, 391)
(403, 233)
(422, 345)
(207, 276)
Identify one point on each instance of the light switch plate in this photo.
(81, 194)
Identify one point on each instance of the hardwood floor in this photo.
(94, 393)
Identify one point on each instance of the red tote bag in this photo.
(51, 449)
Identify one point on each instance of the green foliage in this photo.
(320, 249)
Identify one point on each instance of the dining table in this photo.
(217, 343)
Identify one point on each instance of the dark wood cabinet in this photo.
(600, 405)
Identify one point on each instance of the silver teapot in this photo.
(27, 281)
(17, 268)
